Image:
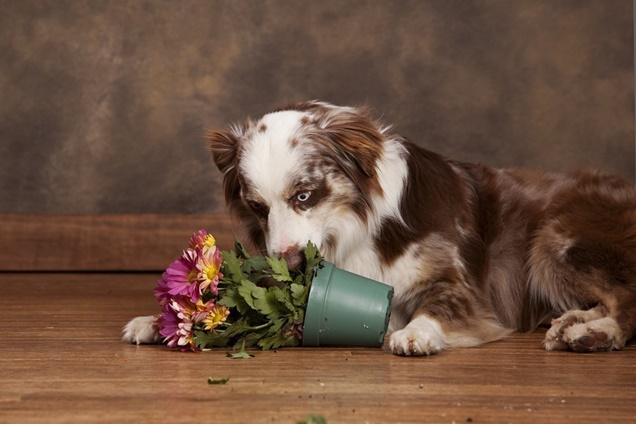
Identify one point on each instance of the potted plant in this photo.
(232, 299)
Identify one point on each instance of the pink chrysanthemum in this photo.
(179, 317)
(202, 240)
(176, 325)
(161, 292)
(182, 288)
(181, 278)
(209, 266)
(202, 310)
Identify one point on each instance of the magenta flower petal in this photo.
(209, 270)
(181, 289)
(181, 277)
(202, 240)
(175, 323)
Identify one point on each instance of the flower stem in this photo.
(259, 327)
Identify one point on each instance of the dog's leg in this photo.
(593, 267)
(141, 330)
(586, 256)
(447, 314)
(425, 335)
(422, 336)
(585, 331)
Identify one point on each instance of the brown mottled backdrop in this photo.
(104, 103)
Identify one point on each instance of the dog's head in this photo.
(307, 172)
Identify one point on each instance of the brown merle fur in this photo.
(532, 245)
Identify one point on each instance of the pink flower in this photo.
(176, 325)
(202, 240)
(202, 310)
(181, 278)
(182, 288)
(179, 317)
(209, 266)
(161, 292)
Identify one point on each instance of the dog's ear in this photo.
(355, 141)
(224, 146)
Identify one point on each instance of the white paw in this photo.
(554, 336)
(594, 336)
(422, 336)
(583, 331)
(141, 330)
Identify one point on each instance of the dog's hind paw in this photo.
(584, 331)
(141, 330)
(422, 336)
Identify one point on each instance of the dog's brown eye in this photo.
(258, 208)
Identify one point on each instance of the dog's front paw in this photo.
(422, 336)
(141, 330)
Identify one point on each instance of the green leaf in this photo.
(279, 269)
(273, 339)
(268, 303)
(314, 258)
(250, 291)
(240, 250)
(233, 299)
(271, 342)
(229, 299)
(284, 298)
(311, 251)
(299, 316)
(314, 419)
(240, 327)
(254, 263)
(299, 293)
(252, 338)
(218, 381)
(241, 354)
(266, 307)
(206, 340)
(231, 266)
(281, 334)
(277, 326)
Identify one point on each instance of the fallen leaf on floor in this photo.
(218, 381)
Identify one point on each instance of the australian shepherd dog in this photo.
(473, 252)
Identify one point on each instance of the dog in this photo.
(473, 252)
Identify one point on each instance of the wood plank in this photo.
(61, 360)
(102, 242)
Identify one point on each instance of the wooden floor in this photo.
(61, 361)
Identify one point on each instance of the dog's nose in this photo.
(294, 257)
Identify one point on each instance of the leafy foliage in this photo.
(267, 317)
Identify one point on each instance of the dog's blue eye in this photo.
(304, 196)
